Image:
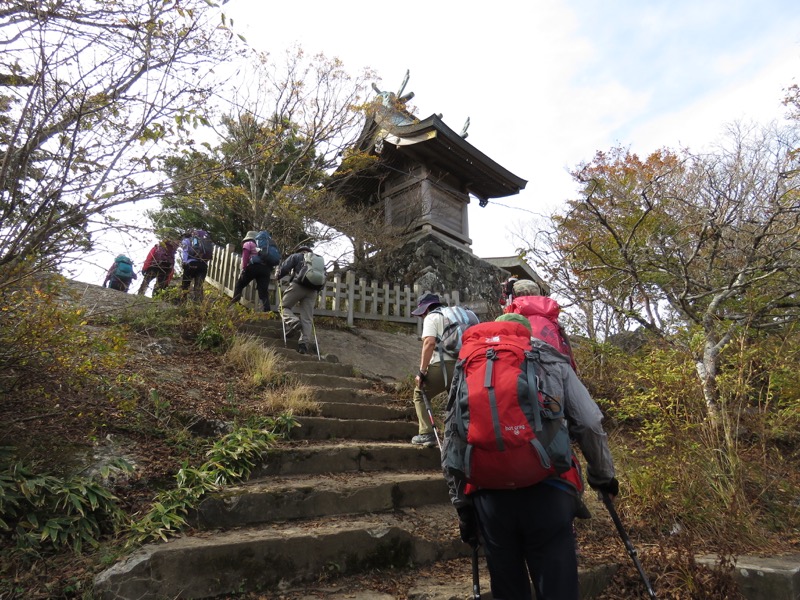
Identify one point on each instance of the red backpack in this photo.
(164, 255)
(505, 419)
(542, 312)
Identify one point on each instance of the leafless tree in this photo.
(290, 121)
(89, 93)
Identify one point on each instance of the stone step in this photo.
(229, 562)
(326, 381)
(357, 396)
(322, 428)
(291, 354)
(271, 334)
(294, 555)
(320, 367)
(763, 578)
(263, 328)
(351, 410)
(343, 457)
(314, 496)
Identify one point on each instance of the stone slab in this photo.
(764, 578)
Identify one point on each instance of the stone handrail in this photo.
(343, 296)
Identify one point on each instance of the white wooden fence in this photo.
(343, 296)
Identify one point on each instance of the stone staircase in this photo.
(347, 493)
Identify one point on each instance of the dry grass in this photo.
(297, 399)
(263, 367)
(260, 365)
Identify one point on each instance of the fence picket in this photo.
(346, 299)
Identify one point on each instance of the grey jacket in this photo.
(584, 420)
(292, 264)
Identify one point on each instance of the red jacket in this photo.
(167, 252)
(542, 312)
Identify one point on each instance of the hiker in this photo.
(520, 506)
(507, 291)
(255, 266)
(435, 364)
(120, 274)
(307, 271)
(159, 265)
(542, 313)
(197, 250)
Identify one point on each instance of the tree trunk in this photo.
(707, 370)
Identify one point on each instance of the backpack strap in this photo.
(439, 310)
(533, 392)
(543, 437)
(488, 383)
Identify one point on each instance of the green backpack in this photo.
(312, 274)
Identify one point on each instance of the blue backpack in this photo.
(201, 246)
(456, 321)
(268, 252)
(124, 268)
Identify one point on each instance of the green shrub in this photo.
(40, 512)
(229, 460)
(210, 337)
(209, 323)
(45, 340)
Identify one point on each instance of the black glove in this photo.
(468, 525)
(611, 487)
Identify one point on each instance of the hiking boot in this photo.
(292, 329)
(303, 348)
(424, 439)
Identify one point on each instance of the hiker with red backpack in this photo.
(527, 300)
(159, 265)
(259, 256)
(514, 404)
(442, 328)
(120, 274)
(197, 249)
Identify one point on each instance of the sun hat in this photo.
(251, 235)
(425, 302)
(527, 287)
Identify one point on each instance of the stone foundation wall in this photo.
(438, 266)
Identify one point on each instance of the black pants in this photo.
(528, 537)
(119, 284)
(194, 273)
(261, 273)
(160, 274)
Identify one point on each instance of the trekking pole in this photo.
(476, 583)
(280, 307)
(316, 343)
(628, 545)
(430, 414)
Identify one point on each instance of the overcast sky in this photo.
(548, 83)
